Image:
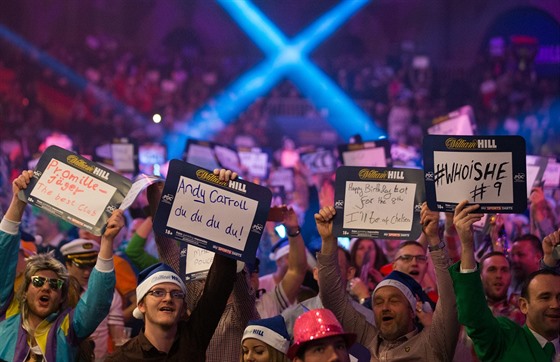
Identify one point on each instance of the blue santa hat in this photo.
(154, 275)
(271, 331)
(407, 285)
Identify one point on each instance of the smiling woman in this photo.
(265, 340)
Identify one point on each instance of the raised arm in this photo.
(549, 244)
(17, 207)
(474, 314)
(332, 287)
(444, 330)
(9, 236)
(94, 305)
(135, 248)
(297, 263)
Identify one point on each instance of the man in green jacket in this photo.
(498, 338)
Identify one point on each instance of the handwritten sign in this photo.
(222, 217)
(319, 161)
(378, 202)
(367, 154)
(282, 177)
(535, 171)
(551, 177)
(201, 153)
(254, 160)
(75, 189)
(122, 155)
(459, 122)
(195, 262)
(486, 170)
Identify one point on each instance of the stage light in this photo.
(156, 118)
(284, 58)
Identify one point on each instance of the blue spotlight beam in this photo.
(74, 79)
(327, 24)
(285, 58)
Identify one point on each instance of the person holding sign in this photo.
(232, 317)
(499, 338)
(395, 306)
(36, 323)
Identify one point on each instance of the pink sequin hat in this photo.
(317, 324)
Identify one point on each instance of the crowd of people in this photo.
(459, 293)
(431, 299)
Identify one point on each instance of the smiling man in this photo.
(497, 338)
(496, 277)
(35, 324)
(395, 336)
(167, 335)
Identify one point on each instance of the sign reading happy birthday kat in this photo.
(378, 202)
(485, 170)
(223, 217)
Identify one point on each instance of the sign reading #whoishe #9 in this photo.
(485, 170)
(223, 217)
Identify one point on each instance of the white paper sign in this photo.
(457, 177)
(73, 191)
(461, 125)
(198, 261)
(384, 206)
(367, 157)
(215, 214)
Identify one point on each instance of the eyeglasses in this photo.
(408, 258)
(39, 281)
(160, 293)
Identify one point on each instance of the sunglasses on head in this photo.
(39, 281)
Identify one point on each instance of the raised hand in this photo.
(324, 222)
(114, 225)
(463, 219)
(225, 175)
(17, 207)
(430, 222)
(549, 243)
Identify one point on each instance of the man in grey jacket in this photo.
(396, 337)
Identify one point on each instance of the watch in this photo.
(439, 246)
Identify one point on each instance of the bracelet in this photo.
(295, 233)
(439, 246)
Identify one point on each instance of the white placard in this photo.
(73, 191)
(461, 125)
(202, 156)
(367, 157)
(198, 260)
(123, 156)
(384, 206)
(458, 177)
(216, 214)
(256, 162)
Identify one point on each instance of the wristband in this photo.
(295, 233)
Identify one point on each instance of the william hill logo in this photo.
(209, 177)
(462, 144)
(101, 173)
(238, 186)
(366, 174)
(79, 163)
